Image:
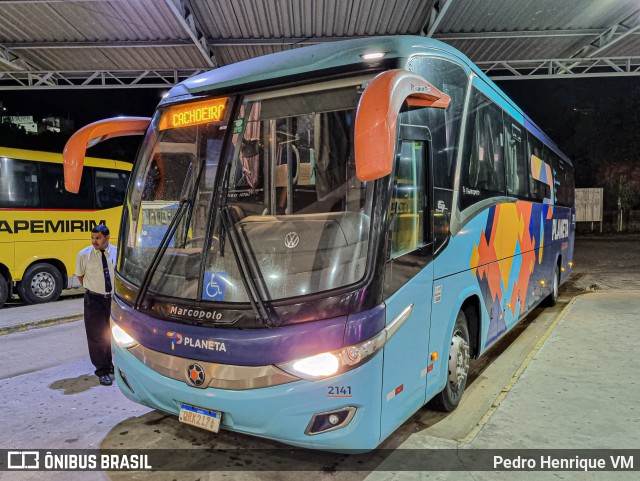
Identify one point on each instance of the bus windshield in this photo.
(289, 208)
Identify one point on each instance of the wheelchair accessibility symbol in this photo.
(214, 285)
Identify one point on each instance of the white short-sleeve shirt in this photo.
(89, 266)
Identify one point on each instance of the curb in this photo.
(516, 375)
(40, 323)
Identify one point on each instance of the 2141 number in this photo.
(340, 391)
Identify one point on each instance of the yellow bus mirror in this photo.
(89, 135)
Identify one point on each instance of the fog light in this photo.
(328, 421)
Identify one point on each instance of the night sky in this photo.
(82, 106)
(595, 121)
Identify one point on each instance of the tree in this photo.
(622, 182)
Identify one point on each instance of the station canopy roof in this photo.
(48, 44)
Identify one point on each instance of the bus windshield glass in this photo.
(290, 214)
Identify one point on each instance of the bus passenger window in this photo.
(483, 167)
(563, 182)
(540, 177)
(408, 201)
(18, 184)
(450, 78)
(110, 188)
(53, 194)
(516, 166)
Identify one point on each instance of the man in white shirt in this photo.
(94, 268)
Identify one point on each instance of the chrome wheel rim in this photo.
(458, 361)
(43, 284)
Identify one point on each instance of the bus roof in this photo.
(298, 61)
(39, 156)
(333, 56)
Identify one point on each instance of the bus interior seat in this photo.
(237, 214)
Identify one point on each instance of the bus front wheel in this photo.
(4, 290)
(458, 365)
(41, 283)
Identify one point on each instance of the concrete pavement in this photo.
(576, 390)
(567, 381)
(21, 318)
(581, 387)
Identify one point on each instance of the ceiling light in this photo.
(373, 55)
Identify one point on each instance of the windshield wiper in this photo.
(246, 269)
(183, 207)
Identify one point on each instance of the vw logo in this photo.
(195, 374)
(291, 240)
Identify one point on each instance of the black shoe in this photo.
(106, 380)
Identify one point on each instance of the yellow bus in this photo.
(42, 226)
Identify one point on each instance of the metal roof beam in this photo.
(188, 22)
(584, 32)
(612, 35)
(561, 68)
(47, 1)
(238, 42)
(248, 42)
(112, 79)
(112, 44)
(12, 61)
(436, 15)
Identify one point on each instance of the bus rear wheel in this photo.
(458, 367)
(41, 283)
(4, 290)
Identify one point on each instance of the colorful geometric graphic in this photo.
(504, 259)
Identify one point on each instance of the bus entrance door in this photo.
(408, 282)
(406, 356)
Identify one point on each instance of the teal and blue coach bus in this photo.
(343, 227)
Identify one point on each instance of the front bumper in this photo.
(281, 412)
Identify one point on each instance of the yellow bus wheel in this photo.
(4, 290)
(41, 283)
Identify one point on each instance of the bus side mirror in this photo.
(377, 117)
(75, 149)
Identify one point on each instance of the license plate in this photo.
(201, 418)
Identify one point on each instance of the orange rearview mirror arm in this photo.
(377, 117)
(76, 147)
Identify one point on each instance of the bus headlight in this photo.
(329, 364)
(122, 339)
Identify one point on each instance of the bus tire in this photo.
(458, 365)
(41, 283)
(552, 299)
(4, 290)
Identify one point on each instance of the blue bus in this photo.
(350, 224)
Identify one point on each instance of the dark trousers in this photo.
(97, 309)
